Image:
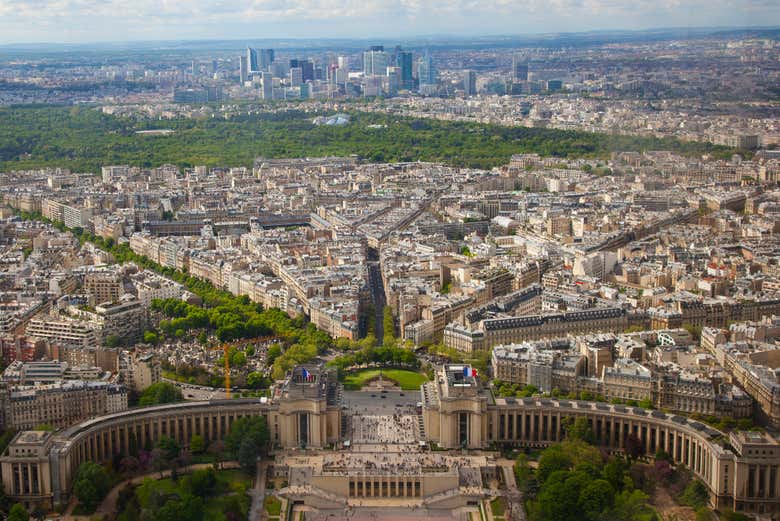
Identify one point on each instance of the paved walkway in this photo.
(515, 511)
(386, 514)
(258, 491)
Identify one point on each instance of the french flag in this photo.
(468, 371)
(307, 376)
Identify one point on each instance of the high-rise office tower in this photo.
(266, 58)
(296, 76)
(341, 76)
(333, 74)
(279, 69)
(426, 71)
(393, 80)
(243, 69)
(373, 86)
(306, 66)
(268, 86)
(214, 66)
(251, 59)
(405, 64)
(519, 69)
(375, 61)
(343, 62)
(470, 83)
(393, 61)
(554, 85)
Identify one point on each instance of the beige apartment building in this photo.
(63, 330)
(140, 370)
(62, 404)
(103, 285)
(506, 330)
(555, 367)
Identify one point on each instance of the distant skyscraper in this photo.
(373, 86)
(268, 86)
(405, 64)
(306, 66)
(519, 69)
(214, 66)
(393, 80)
(266, 58)
(319, 72)
(470, 82)
(343, 62)
(341, 76)
(251, 59)
(280, 69)
(554, 85)
(296, 76)
(332, 68)
(426, 71)
(375, 61)
(243, 69)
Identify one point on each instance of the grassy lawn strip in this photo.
(216, 507)
(170, 375)
(498, 507)
(407, 380)
(272, 505)
(234, 480)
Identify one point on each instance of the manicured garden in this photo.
(498, 508)
(406, 380)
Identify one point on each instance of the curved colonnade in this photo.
(742, 470)
(42, 473)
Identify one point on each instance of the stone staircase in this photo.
(296, 491)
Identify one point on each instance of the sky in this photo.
(79, 21)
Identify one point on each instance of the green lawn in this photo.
(272, 505)
(216, 507)
(234, 480)
(407, 380)
(498, 506)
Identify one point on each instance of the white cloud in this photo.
(86, 20)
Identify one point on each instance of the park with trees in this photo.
(84, 139)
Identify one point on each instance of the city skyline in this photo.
(68, 21)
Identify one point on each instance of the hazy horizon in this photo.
(112, 21)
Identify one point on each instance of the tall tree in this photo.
(91, 484)
(18, 513)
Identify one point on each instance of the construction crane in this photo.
(226, 347)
